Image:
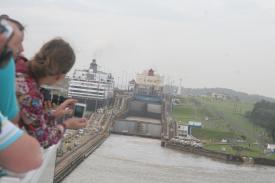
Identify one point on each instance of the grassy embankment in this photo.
(223, 120)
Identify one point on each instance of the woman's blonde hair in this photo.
(54, 58)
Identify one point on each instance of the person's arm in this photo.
(19, 152)
(22, 156)
(37, 123)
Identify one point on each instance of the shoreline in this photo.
(228, 158)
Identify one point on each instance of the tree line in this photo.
(263, 114)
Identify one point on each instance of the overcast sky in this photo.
(207, 43)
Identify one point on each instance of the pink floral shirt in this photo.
(33, 117)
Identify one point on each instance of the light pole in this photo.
(96, 101)
(117, 82)
(127, 81)
(179, 90)
(122, 80)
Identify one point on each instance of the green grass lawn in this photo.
(226, 116)
(241, 149)
(212, 135)
(221, 119)
(184, 113)
(272, 156)
(220, 148)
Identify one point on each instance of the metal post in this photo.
(97, 93)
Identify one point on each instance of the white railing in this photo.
(44, 174)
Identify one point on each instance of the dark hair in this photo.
(55, 57)
(17, 23)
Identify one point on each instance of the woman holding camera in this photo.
(48, 66)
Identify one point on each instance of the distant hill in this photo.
(228, 92)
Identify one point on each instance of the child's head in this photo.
(54, 60)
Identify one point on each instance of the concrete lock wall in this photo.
(124, 127)
(137, 107)
(137, 128)
(153, 130)
(141, 108)
(154, 108)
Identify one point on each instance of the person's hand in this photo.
(48, 105)
(75, 123)
(64, 108)
(67, 103)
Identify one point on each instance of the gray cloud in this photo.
(213, 43)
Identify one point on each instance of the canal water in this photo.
(128, 159)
